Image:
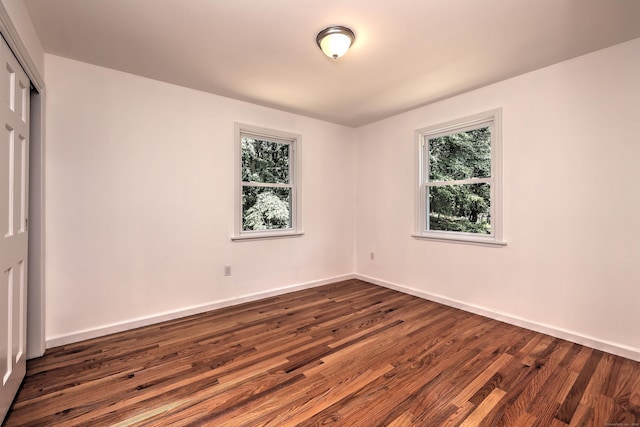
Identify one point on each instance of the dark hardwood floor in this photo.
(349, 353)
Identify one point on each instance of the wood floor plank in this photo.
(470, 390)
(525, 420)
(635, 392)
(456, 418)
(532, 381)
(570, 404)
(349, 353)
(484, 408)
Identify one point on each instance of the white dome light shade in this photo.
(335, 41)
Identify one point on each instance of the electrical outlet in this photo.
(372, 256)
(227, 270)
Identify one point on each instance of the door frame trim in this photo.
(36, 336)
(10, 34)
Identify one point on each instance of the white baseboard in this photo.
(599, 344)
(86, 334)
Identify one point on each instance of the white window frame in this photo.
(491, 118)
(295, 142)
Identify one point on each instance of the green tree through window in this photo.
(463, 207)
(266, 184)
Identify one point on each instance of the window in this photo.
(268, 183)
(459, 180)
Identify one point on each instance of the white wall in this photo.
(140, 203)
(571, 202)
(140, 193)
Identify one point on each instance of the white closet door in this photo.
(14, 162)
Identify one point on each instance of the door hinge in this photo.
(26, 224)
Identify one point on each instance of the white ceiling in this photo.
(407, 52)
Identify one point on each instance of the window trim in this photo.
(492, 117)
(295, 141)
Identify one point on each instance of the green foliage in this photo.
(461, 155)
(265, 208)
(460, 207)
(265, 161)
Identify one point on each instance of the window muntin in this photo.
(268, 185)
(459, 180)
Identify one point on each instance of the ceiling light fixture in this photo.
(335, 41)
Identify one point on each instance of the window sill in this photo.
(461, 240)
(265, 236)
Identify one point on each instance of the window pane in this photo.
(265, 161)
(460, 155)
(465, 208)
(266, 208)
